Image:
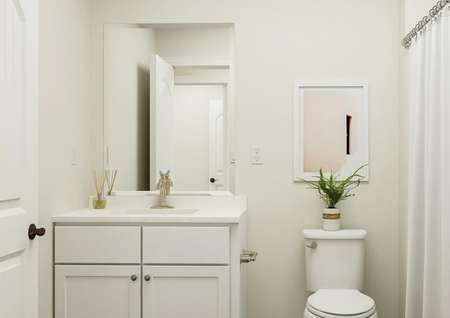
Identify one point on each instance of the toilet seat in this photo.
(332, 303)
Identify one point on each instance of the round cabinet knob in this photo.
(147, 278)
(133, 278)
(212, 180)
(33, 231)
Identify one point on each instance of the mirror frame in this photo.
(298, 123)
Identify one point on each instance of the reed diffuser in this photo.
(110, 176)
(99, 181)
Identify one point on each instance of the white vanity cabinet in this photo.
(171, 287)
(186, 291)
(94, 291)
(148, 271)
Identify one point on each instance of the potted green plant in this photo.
(332, 191)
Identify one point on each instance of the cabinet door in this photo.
(186, 291)
(106, 291)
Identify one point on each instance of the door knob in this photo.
(147, 278)
(133, 278)
(212, 180)
(33, 231)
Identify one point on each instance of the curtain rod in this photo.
(406, 42)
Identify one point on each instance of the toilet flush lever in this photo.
(248, 256)
(312, 245)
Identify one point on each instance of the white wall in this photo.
(194, 41)
(65, 122)
(277, 43)
(127, 53)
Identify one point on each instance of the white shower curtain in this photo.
(428, 260)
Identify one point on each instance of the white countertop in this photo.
(135, 208)
(206, 215)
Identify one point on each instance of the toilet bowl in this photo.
(339, 303)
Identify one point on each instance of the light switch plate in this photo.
(256, 156)
(74, 160)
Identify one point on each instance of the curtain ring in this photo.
(436, 9)
(417, 27)
(433, 11)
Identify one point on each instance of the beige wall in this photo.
(65, 114)
(194, 41)
(277, 43)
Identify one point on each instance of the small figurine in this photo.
(164, 185)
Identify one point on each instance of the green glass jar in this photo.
(99, 203)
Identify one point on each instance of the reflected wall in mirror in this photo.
(168, 105)
(330, 128)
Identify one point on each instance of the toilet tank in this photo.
(334, 259)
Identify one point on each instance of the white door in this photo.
(97, 291)
(161, 117)
(18, 157)
(186, 291)
(217, 170)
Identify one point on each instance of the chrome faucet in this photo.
(164, 184)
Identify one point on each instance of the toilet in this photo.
(334, 275)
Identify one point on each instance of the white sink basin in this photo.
(168, 211)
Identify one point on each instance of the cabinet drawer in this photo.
(98, 244)
(186, 245)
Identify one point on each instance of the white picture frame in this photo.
(352, 161)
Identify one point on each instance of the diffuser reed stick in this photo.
(99, 182)
(110, 176)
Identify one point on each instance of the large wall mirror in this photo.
(330, 128)
(168, 105)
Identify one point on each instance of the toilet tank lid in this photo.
(317, 234)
